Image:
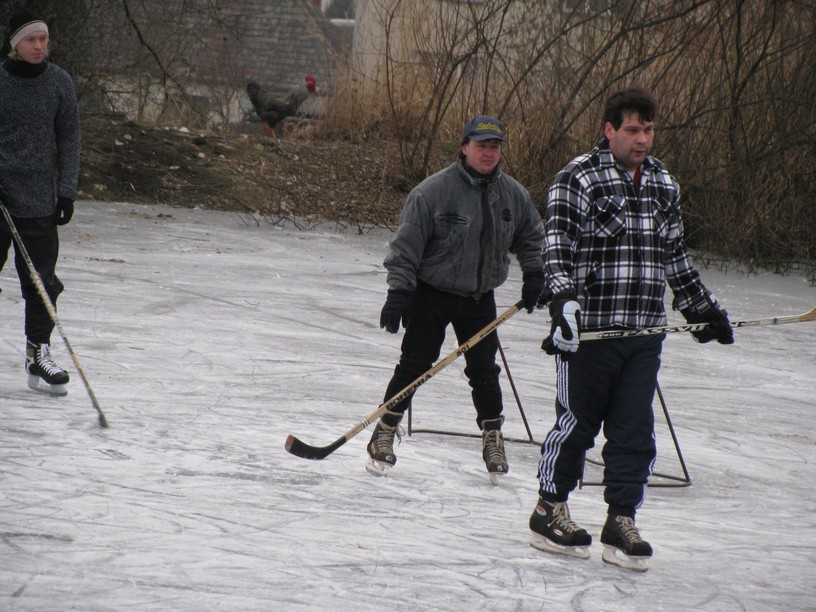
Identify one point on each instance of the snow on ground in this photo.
(208, 338)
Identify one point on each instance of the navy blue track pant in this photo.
(609, 383)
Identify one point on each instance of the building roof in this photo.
(275, 42)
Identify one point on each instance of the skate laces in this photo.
(385, 437)
(494, 446)
(42, 357)
(561, 517)
(628, 529)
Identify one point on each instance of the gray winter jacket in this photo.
(456, 233)
(39, 140)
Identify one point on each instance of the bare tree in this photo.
(735, 79)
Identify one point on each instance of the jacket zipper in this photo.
(483, 238)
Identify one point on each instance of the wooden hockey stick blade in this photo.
(307, 451)
(805, 317)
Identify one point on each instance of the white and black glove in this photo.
(565, 332)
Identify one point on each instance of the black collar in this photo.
(23, 69)
(479, 176)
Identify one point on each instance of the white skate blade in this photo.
(539, 542)
(496, 477)
(378, 468)
(35, 383)
(615, 556)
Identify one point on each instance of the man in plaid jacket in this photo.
(613, 240)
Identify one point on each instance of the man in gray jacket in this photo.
(452, 247)
(39, 170)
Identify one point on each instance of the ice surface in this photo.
(209, 338)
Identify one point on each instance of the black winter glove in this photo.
(3, 195)
(565, 332)
(395, 309)
(65, 210)
(531, 288)
(711, 312)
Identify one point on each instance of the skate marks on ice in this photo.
(208, 341)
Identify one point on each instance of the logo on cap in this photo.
(483, 128)
(488, 126)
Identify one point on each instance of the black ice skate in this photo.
(623, 545)
(555, 532)
(381, 457)
(493, 449)
(43, 374)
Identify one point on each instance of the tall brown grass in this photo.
(736, 83)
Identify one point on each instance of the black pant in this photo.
(429, 314)
(41, 241)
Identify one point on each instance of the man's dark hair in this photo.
(629, 100)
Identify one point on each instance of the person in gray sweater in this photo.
(456, 232)
(39, 170)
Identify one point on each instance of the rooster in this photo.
(271, 109)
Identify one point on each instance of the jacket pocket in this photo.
(506, 232)
(448, 233)
(666, 220)
(610, 216)
(447, 219)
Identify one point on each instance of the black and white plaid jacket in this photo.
(614, 248)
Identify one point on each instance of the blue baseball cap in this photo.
(483, 127)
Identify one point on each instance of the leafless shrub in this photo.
(736, 80)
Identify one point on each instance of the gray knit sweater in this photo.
(39, 141)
